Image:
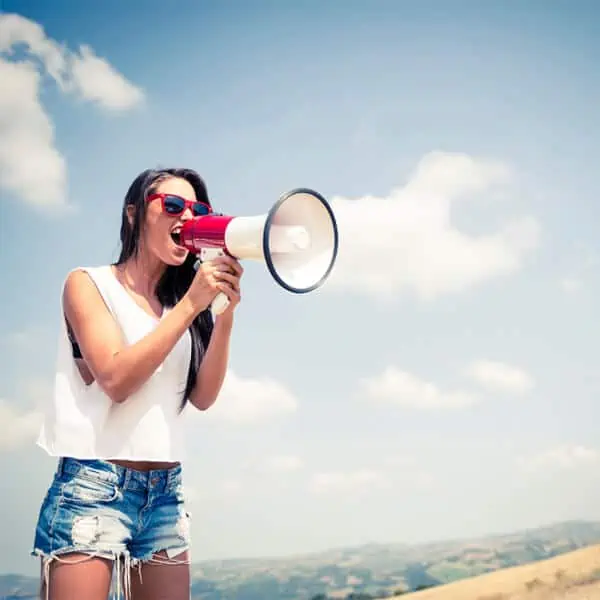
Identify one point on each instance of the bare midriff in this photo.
(144, 465)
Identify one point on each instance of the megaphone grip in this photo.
(221, 301)
(219, 304)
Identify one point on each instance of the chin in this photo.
(174, 255)
(176, 261)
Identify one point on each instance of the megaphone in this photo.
(297, 239)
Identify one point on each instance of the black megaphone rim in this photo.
(267, 227)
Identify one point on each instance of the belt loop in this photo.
(59, 468)
(125, 479)
(173, 478)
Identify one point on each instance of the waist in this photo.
(169, 478)
(144, 465)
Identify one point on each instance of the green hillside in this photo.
(369, 571)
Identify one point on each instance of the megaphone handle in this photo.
(221, 301)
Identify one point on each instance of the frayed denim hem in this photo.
(123, 561)
(121, 589)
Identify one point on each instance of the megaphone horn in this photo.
(297, 239)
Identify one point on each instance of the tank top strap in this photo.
(105, 282)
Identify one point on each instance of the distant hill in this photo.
(368, 571)
(571, 576)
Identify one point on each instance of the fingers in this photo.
(231, 293)
(222, 274)
(229, 263)
(225, 276)
(227, 270)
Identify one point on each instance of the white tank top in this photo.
(81, 421)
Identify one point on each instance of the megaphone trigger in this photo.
(297, 239)
(221, 301)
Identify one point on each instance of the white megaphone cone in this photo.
(297, 239)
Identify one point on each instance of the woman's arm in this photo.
(213, 367)
(119, 369)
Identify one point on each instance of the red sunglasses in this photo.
(176, 205)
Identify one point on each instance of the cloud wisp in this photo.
(395, 386)
(244, 400)
(408, 241)
(31, 166)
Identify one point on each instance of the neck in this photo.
(143, 274)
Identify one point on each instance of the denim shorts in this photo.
(102, 509)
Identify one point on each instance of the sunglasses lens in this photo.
(200, 210)
(174, 205)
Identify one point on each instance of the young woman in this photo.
(137, 344)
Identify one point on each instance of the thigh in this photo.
(161, 570)
(82, 528)
(75, 576)
(162, 577)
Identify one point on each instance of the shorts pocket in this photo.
(87, 490)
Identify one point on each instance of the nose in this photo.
(187, 214)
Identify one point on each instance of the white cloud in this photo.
(36, 390)
(230, 487)
(244, 400)
(82, 73)
(348, 482)
(96, 80)
(283, 463)
(407, 470)
(585, 260)
(497, 376)
(395, 386)
(564, 457)
(571, 285)
(407, 240)
(400, 460)
(423, 481)
(17, 427)
(30, 164)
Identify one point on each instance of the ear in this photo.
(130, 214)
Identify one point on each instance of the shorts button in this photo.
(154, 481)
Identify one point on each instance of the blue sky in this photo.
(444, 381)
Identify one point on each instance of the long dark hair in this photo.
(176, 280)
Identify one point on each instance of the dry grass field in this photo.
(572, 576)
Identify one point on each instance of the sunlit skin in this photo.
(158, 246)
(120, 370)
(140, 275)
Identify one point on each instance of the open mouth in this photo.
(176, 237)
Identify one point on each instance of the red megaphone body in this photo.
(297, 238)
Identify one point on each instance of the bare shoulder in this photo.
(78, 281)
(91, 321)
(80, 292)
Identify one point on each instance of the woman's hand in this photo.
(221, 274)
(228, 274)
(203, 288)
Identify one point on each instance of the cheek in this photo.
(151, 227)
(157, 230)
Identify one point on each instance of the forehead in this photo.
(178, 186)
